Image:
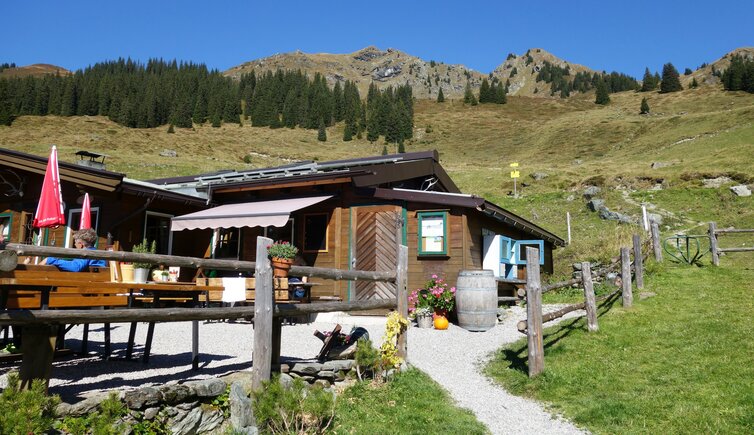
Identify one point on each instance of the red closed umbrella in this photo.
(50, 208)
(86, 213)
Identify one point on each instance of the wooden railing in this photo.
(532, 325)
(40, 326)
(714, 243)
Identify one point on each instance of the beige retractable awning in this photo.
(249, 214)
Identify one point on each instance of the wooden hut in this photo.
(352, 214)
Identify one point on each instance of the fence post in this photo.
(625, 260)
(656, 241)
(591, 305)
(401, 282)
(534, 313)
(638, 262)
(568, 223)
(713, 243)
(263, 305)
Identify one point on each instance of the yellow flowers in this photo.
(395, 325)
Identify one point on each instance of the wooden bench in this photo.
(88, 294)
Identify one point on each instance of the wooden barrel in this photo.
(476, 300)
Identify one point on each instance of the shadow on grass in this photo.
(518, 357)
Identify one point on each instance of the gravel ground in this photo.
(453, 358)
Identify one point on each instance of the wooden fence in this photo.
(40, 326)
(532, 325)
(714, 246)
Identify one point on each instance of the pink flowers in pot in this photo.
(435, 295)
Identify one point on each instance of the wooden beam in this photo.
(263, 305)
(590, 304)
(638, 262)
(124, 315)
(172, 260)
(339, 180)
(534, 313)
(402, 286)
(628, 297)
(656, 241)
(713, 243)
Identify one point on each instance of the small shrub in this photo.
(247, 159)
(297, 409)
(27, 411)
(367, 358)
(105, 421)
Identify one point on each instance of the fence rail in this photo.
(715, 248)
(532, 325)
(40, 326)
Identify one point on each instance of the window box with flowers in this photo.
(281, 255)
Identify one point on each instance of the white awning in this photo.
(249, 214)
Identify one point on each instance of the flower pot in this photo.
(441, 313)
(281, 266)
(126, 272)
(424, 321)
(141, 275)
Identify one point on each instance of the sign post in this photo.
(515, 174)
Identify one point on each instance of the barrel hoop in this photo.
(476, 312)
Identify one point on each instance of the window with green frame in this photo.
(433, 233)
(6, 221)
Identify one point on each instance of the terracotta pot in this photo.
(281, 266)
(440, 313)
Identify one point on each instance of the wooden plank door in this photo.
(377, 234)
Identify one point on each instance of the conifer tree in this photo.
(670, 79)
(171, 129)
(384, 150)
(468, 95)
(401, 147)
(644, 107)
(216, 119)
(694, 83)
(484, 92)
(322, 133)
(648, 81)
(602, 96)
(440, 97)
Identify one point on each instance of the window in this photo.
(280, 233)
(74, 221)
(315, 232)
(157, 228)
(6, 221)
(432, 233)
(226, 243)
(520, 250)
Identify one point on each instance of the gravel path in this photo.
(453, 358)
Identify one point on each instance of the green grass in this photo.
(679, 362)
(409, 404)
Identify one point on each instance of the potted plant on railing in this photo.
(141, 270)
(420, 307)
(281, 255)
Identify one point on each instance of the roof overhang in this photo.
(249, 214)
(80, 175)
(470, 201)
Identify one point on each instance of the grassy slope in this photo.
(678, 362)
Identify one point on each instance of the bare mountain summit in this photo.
(383, 67)
(36, 70)
(706, 74)
(521, 72)
(393, 67)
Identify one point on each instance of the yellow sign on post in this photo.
(515, 174)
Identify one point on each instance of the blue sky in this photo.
(603, 35)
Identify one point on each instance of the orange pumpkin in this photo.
(441, 322)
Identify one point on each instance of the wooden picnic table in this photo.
(45, 287)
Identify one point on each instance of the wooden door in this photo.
(377, 233)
